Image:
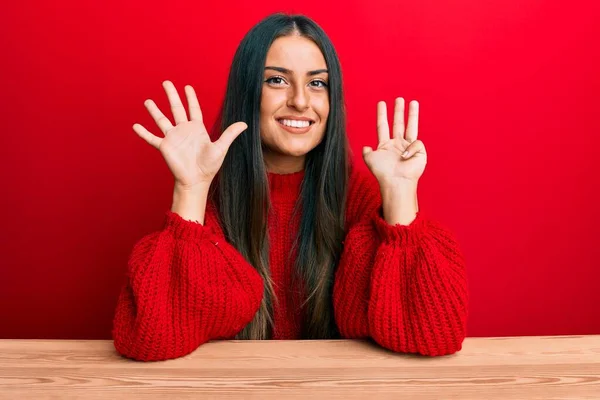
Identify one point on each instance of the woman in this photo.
(273, 234)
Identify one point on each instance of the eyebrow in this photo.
(287, 71)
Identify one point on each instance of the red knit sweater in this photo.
(403, 286)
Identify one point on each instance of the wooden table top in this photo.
(528, 367)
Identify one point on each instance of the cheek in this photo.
(322, 108)
(324, 115)
(271, 101)
(266, 111)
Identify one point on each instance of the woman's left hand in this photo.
(401, 159)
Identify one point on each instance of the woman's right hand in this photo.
(192, 157)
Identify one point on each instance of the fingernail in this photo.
(405, 154)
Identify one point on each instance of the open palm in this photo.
(186, 147)
(402, 157)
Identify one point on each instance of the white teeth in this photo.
(294, 123)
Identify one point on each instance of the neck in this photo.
(283, 164)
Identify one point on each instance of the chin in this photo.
(292, 145)
(297, 152)
(297, 149)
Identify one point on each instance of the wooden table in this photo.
(546, 367)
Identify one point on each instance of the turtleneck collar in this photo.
(285, 188)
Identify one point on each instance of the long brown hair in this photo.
(241, 191)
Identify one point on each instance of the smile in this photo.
(295, 126)
(294, 123)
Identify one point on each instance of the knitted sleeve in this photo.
(403, 286)
(185, 286)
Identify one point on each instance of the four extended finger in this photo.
(412, 127)
(415, 147)
(398, 127)
(383, 129)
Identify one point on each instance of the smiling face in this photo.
(294, 104)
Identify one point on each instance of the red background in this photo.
(509, 115)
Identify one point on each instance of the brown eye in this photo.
(277, 80)
(323, 84)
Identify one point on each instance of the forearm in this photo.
(173, 300)
(418, 292)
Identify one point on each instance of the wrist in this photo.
(399, 186)
(190, 202)
(195, 189)
(400, 203)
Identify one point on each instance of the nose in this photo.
(298, 97)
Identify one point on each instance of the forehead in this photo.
(295, 53)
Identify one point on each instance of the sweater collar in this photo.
(285, 187)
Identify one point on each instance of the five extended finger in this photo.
(163, 122)
(142, 132)
(194, 106)
(230, 134)
(177, 107)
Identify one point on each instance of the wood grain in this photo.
(531, 367)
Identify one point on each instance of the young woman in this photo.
(274, 234)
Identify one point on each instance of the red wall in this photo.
(509, 114)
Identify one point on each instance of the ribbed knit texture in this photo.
(403, 286)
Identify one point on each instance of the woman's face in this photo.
(294, 104)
